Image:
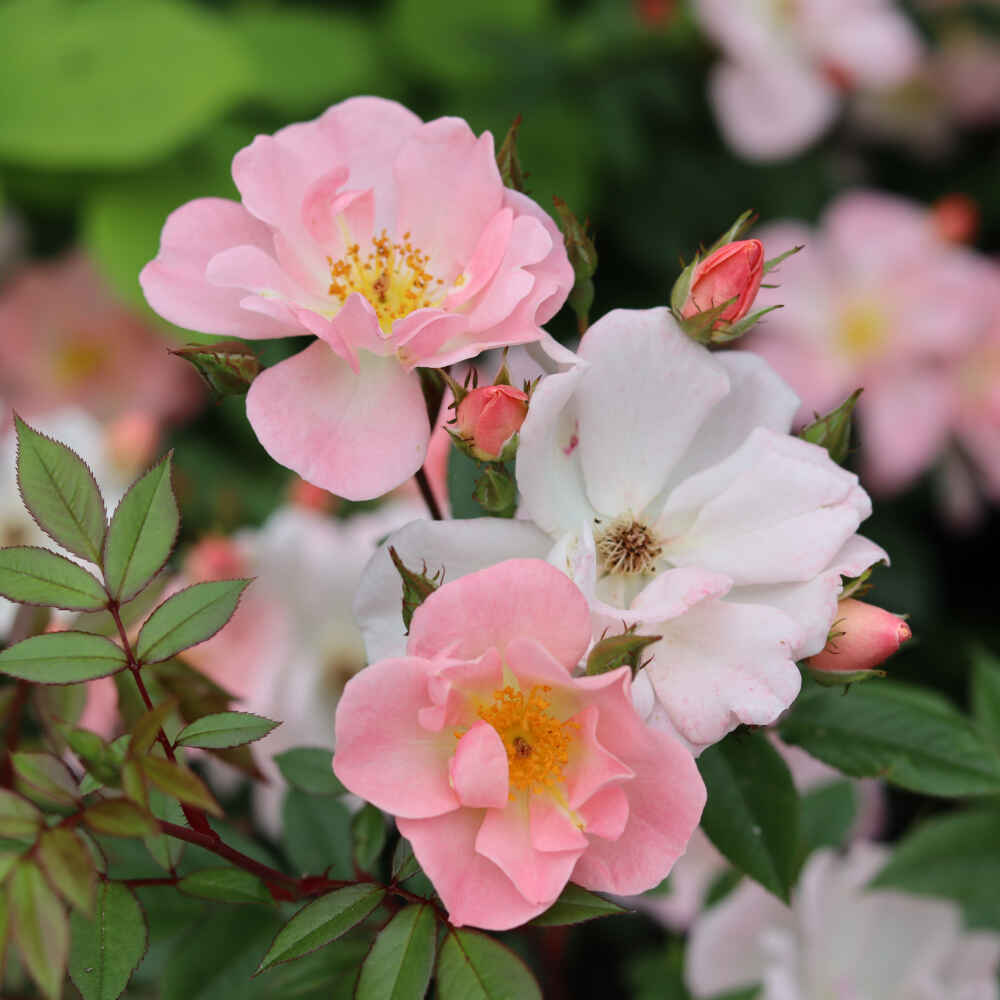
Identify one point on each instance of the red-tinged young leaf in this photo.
(108, 948)
(45, 778)
(225, 729)
(142, 533)
(145, 731)
(62, 658)
(322, 921)
(133, 782)
(120, 818)
(19, 819)
(188, 617)
(40, 927)
(179, 782)
(401, 960)
(31, 575)
(60, 493)
(69, 867)
(473, 966)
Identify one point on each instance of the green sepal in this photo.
(615, 651)
(228, 367)
(496, 491)
(583, 257)
(508, 162)
(417, 587)
(833, 431)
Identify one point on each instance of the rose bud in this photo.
(215, 558)
(132, 440)
(734, 271)
(861, 638)
(488, 417)
(956, 218)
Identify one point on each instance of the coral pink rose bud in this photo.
(868, 636)
(215, 558)
(132, 440)
(308, 497)
(734, 271)
(956, 218)
(490, 416)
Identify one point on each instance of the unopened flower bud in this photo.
(132, 440)
(733, 272)
(862, 637)
(215, 558)
(956, 218)
(489, 417)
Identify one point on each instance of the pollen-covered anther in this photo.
(537, 743)
(394, 277)
(626, 546)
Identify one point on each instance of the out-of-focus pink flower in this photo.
(132, 439)
(490, 416)
(396, 244)
(507, 774)
(734, 271)
(956, 218)
(787, 65)
(67, 342)
(309, 497)
(878, 299)
(864, 637)
(216, 557)
(100, 713)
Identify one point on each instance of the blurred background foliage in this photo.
(114, 112)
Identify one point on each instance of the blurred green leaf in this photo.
(147, 727)
(574, 906)
(228, 885)
(188, 617)
(69, 865)
(310, 769)
(58, 487)
(225, 729)
(178, 781)
(369, 833)
(323, 921)
(113, 82)
(404, 861)
(37, 576)
(473, 966)
(986, 695)
(19, 819)
(752, 812)
(107, 949)
(826, 814)
(910, 736)
(40, 927)
(401, 960)
(62, 658)
(462, 475)
(317, 834)
(44, 777)
(142, 533)
(120, 818)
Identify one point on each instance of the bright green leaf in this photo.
(40, 927)
(56, 485)
(225, 729)
(368, 832)
(145, 78)
(69, 866)
(323, 921)
(229, 885)
(474, 966)
(317, 834)
(179, 782)
(44, 777)
(120, 818)
(752, 812)
(401, 960)
(62, 658)
(188, 617)
(107, 949)
(907, 735)
(36, 576)
(142, 533)
(311, 770)
(576, 905)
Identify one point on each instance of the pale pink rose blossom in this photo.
(396, 244)
(662, 478)
(786, 66)
(840, 940)
(877, 299)
(67, 342)
(508, 775)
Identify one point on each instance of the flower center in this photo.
(862, 330)
(393, 277)
(626, 547)
(537, 743)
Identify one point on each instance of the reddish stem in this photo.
(428, 494)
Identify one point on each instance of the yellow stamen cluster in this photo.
(626, 547)
(537, 743)
(394, 277)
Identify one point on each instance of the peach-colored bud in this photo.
(490, 416)
(215, 558)
(309, 497)
(132, 439)
(870, 635)
(956, 218)
(734, 271)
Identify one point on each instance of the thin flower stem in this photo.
(428, 495)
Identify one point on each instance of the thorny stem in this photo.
(194, 816)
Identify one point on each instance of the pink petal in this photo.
(552, 829)
(174, 282)
(383, 753)
(505, 838)
(472, 887)
(485, 259)
(355, 435)
(591, 765)
(605, 813)
(479, 771)
(519, 598)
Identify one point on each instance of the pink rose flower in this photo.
(396, 244)
(734, 271)
(509, 776)
(866, 636)
(490, 416)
